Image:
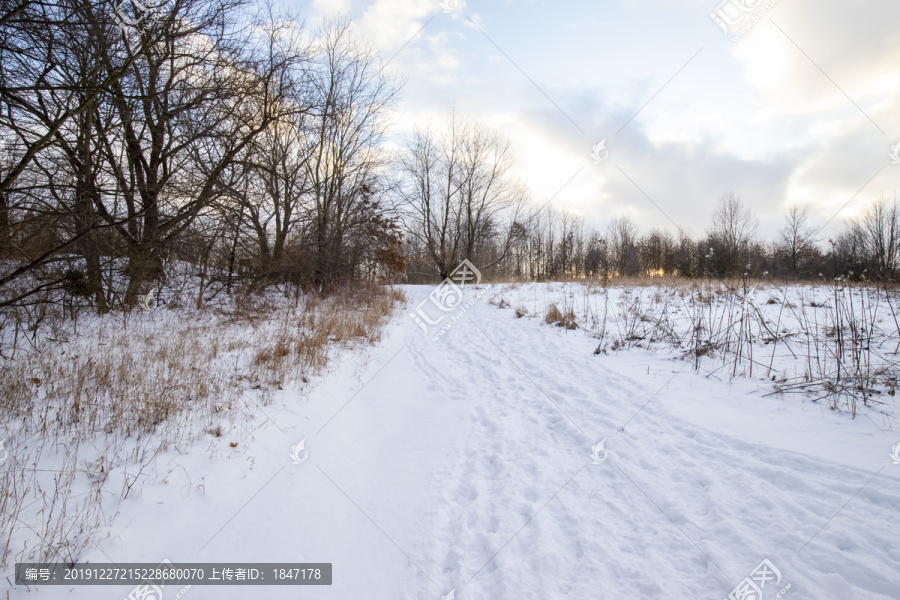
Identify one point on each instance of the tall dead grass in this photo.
(104, 395)
(837, 342)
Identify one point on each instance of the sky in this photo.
(798, 102)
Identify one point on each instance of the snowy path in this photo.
(463, 464)
(675, 511)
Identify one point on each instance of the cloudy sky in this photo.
(799, 102)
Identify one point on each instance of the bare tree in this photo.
(274, 180)
(797, 239)
(432, 166)
(622, 237)
(879, 229)
(731, 233)
(52, 83)
(280, 181)
(179, 121)
(43, 81)
(487, 190)
(344, 169)
(657, 252)
(461, 193)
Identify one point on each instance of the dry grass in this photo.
(836, 343)
(499, 302)
(112, 392)
(554, 316)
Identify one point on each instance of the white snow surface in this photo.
(462, 468)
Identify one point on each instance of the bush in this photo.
(555, 317)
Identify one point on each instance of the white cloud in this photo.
(391, 23)
(755, 116)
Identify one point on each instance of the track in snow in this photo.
(464, 464)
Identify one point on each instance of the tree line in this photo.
(544, 244)
(209, 131)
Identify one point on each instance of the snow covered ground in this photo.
(471, 466)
